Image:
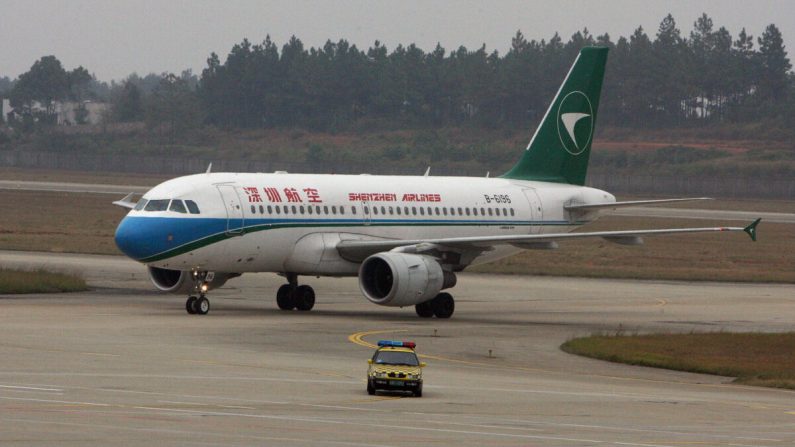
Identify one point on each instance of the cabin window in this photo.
(309, 209)
(460, 211)
(391, 210)
(397, 210)
(512, 212)
(406, 210)
(253, 209)
(261, 209)
(483, 211)
(178, 207)
(301, 209)
(383, 210)
(278, 209)
(353, 210)
(157, 205)
(414, 210)
(444, 211)
(294, 210)
(286, 209)
(366, 210)
(325, 209)
(437, 211)
(140, 205)
(490, 212)
(270, 209)
(375, 210)
(342, 209)
(422, 211)
(333, 209)
(466, 210)
(475, 211)
(317, 209)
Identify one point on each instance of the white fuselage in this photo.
(292, 222)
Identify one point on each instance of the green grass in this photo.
(38, 281)
(761, 359)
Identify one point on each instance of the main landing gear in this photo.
(199, 305)
(292, 296)
(442, 306)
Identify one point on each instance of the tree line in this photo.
(667, 79)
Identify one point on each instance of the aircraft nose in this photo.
(131, 238)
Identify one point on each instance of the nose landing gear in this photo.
(199, 305)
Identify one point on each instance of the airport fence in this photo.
(637, 184)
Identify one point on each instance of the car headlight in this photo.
(413, 376)
(379, 375)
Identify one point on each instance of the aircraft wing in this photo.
(358, 250)
(614, 205)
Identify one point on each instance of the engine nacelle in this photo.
(401, 279)
(180, 281)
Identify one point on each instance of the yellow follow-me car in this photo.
(395, 367)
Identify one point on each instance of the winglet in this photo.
(209, 168)
(751, 229)
(126, 202)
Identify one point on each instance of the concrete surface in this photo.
(123, 365)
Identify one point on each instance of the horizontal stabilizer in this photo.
(126, 202)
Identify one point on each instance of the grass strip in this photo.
(38, 281)
(761, 359)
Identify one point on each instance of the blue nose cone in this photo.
(131, 238)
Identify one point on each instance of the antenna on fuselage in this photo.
(209, 168)
(427, 171)
(487, 174)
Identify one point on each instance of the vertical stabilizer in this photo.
(561, 145)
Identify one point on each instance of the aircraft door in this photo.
(536, 210)
(234, 209)
(366, 212)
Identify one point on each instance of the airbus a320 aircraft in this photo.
(404, 237)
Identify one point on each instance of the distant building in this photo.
(67, 113)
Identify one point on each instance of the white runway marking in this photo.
(29, 388)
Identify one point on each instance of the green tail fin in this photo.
(751, 229)
(561, 145)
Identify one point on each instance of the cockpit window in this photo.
(156, 205)
(178, 207)
(192, 207)
(140, 205)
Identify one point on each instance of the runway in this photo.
(682, 213)
(124, 365)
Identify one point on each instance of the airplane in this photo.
(404, 237)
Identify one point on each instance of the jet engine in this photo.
(180, 281)
(401, 279)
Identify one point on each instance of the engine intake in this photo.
(180, 281)
(400, 279)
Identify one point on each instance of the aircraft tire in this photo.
(424, 310)
(443, 305)
(304, 297)
(189, 304)
(285, 298)
(201, 306)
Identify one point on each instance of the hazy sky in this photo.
(114, 38)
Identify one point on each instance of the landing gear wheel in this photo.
(201, 306)
(443, 305)
(370, 388)
(285, 298)
(304, 298)
(424, 310)
(189, 304)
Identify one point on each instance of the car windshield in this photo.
(396, 358)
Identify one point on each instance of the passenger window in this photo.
(192, 207)
(422, 211)
(301, 208)
(490, 212)
(512, 212)
(467, 210)
(156, 205)
(286, 209)
(430, 211)
(178, 207)
(270, 209)
(505, 211)
(294, 210)
(460, 211)
(325, 210)
(414, 210)
(397, 209)
(353, 210)
(278, 210)
(333, 209)
(406, 210)
(375, 210)
(261, 209)
(140, 205)
(383, 210)
(444, 211)
(253, 208)
(483, 211)
(391, 210)
(309, 209)
(342, 210)
(366, 210)
(437, 211)
(475, 211)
